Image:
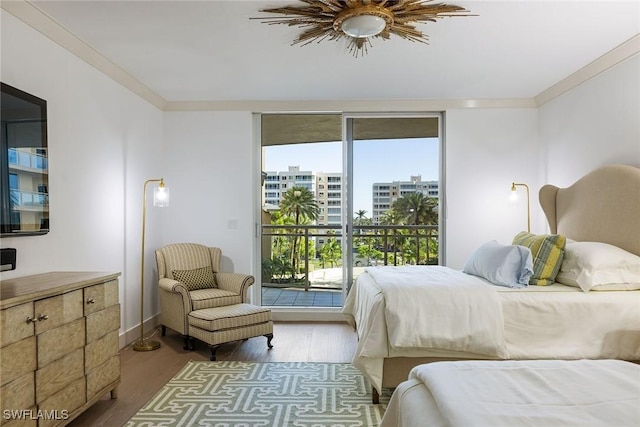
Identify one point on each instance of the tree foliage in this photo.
(417, 209)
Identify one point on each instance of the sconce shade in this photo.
(161, 196)
(514, 193)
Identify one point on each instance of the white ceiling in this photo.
(212, 51)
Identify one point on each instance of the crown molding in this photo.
(375, 105)
(36, 18)
(610, 59)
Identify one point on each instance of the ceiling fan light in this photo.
(362, 26)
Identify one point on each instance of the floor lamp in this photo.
(160, 199)
(514, 197)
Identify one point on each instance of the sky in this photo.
(374, 161)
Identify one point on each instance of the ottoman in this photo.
(220, 325)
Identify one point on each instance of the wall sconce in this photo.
(514, 197)
(161, 200)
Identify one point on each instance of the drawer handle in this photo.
(31, 320)
(42, 317)
(91, 301)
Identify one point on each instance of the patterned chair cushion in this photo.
(209, 298)
(198, 278)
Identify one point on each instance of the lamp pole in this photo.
(513, 189)
(147, 345)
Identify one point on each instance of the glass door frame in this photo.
(347, 168)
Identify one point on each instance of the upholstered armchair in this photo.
(190, 279)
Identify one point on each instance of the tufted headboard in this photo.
(602, 206)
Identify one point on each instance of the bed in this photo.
(549, 393)
(574, 320)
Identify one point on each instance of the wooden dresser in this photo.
(59, 346)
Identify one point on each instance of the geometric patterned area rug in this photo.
(230, 393)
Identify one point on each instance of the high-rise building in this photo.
(277, 183)
(385, 194)
(329, 196)
(327, 189)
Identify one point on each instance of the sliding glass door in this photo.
(341, 193)
(393, 165)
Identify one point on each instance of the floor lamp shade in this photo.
(160, 199)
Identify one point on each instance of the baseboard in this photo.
(133, 334)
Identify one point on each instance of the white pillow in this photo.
(503, 265)
(599, 266)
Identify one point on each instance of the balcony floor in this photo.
(288, 297)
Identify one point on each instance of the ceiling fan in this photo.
(361, 20)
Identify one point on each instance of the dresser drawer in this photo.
(101, 350)
(55, 311)
(102, 376)
(102, 322)
(54, 344)
(14, 325)
(99, 297)
(63, 403)
(17, 359)
(59, 374)
(18, 394)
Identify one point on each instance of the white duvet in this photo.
(440, 308)
(549, 393)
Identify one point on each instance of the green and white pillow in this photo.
(199, 278)
(547, 251)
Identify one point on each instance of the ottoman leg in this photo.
(188, 343)
(269, 338)
(214, 348)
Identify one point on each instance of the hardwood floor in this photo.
(144, 373)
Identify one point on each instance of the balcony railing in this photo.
(29, 200)
(372, 245)
(28, 160)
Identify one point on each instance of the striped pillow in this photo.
(199, 278)
(547, 251)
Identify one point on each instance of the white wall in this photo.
(104, 141)
(596, 123)
(212, 177)
(487, 150)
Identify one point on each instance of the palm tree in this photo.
(360, 217)
(359, 220)
(417, 209)
(331, 252)
(298, 202)
(391, 217)
(279, 242)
